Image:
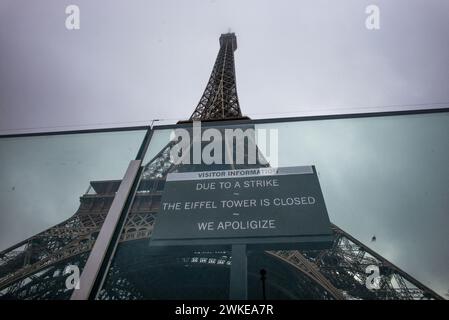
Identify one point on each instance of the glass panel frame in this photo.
(109, 253)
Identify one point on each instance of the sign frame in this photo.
(282, 242)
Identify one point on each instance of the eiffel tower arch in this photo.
(34, 268)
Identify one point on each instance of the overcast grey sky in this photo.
(133, 61)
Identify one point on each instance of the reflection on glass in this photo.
(46, 229)
(385, 182)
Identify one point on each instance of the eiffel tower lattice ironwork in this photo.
(34, 268)
(219, 100)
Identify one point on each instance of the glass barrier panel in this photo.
(55, 191)
(385, 183)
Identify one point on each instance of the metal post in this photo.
(263, 277)
(238, 289)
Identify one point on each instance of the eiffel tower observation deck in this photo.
(108, 242)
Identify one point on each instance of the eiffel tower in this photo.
(34, 268)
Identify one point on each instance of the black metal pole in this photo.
(238, 289)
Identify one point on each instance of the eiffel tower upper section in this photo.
(219, 100)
